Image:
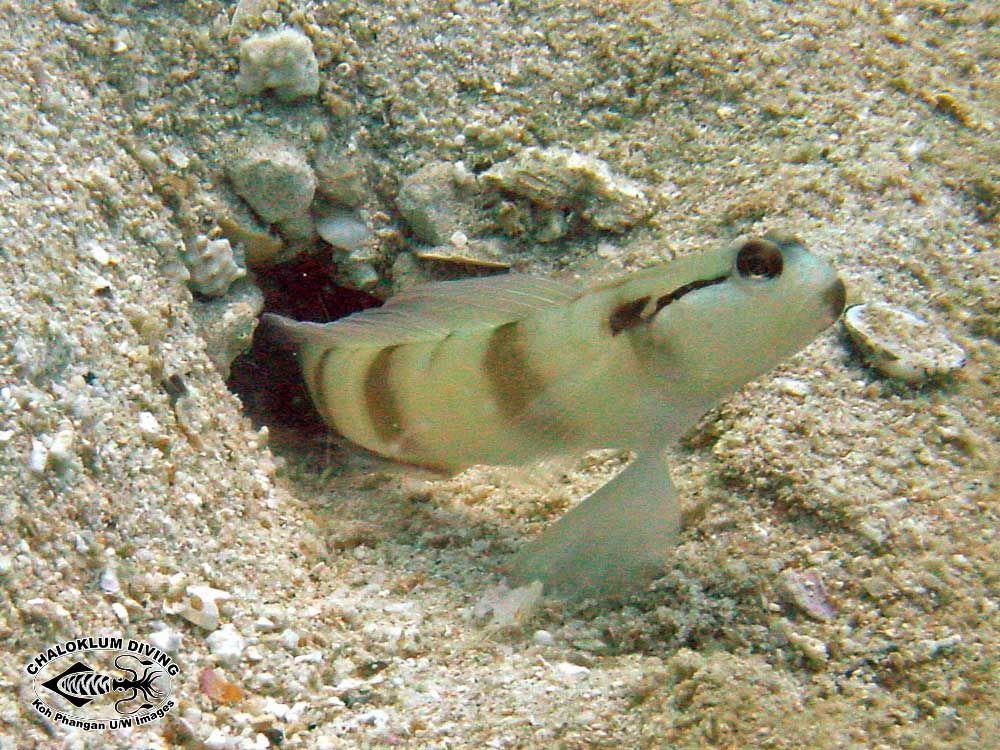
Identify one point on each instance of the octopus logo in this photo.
(102, 683)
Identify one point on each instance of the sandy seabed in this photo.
(836, 583)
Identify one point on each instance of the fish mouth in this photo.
(834, 298)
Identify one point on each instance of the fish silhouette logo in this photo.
(102, 683)
(80, 684)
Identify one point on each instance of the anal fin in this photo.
(613, 542)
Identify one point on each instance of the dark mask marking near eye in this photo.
(627, 315)
(680, 291)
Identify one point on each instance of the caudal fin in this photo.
(286, 333)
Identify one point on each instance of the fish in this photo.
(517, 368)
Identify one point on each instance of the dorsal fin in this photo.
(434, 310)
(496, 299)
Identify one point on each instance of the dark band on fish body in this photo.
(383, 409)
(515, 385)
(518, 388)
(317, 382)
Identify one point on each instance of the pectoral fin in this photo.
(613, 542)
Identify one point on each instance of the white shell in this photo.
(212, 266)
(901, 344)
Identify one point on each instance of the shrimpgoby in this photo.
(511, 369)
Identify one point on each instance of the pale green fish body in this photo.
(511, 369)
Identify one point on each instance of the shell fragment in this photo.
(901, 344)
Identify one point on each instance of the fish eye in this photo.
(759, 259)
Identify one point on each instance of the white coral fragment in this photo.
(283, 61)
(212, 265)
(201, 606)
(563, 179)
(227, 324)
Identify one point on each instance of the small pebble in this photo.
(543, 638)
(274, 613)
(217, 687)
(509, 606)
(872, 531)
(38, 457)
(98, 253)
(571, 671)
(177, 157)
(227, 644)
(290, 639)
(275, 179)
(559, 178)
(166, 639)
(591, 645)
(149, 428)
(217, 740)
(900, 344)
(343, 228)
(359, 275)
(61, 450)
(227, 325)
(376, 718)
(265, 624)
(80, 544)
(46, 610)
(341, 179)
(212, 266)
(804, 589)
(932, 648)
(813, 649)
(109, 582)
(792, 387)
(434, 205)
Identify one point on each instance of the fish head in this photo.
(744, 309)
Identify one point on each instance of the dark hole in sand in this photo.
(267, 377)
